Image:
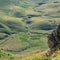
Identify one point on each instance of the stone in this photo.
(54, 40)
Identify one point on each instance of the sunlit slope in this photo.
(40, 56)
(36, 56)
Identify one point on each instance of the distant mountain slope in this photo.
(46, 1)
(49, 9)
(23, 3)
(15, 12)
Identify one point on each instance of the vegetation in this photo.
(16, 42)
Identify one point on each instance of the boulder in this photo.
(54, 40)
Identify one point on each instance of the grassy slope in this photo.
(21, 44)
(36, 56)
(11, 23)
(40, 56)
(45, 12)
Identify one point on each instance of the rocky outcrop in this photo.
(54, 40)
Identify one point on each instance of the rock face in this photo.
(54, 40)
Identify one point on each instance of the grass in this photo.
(40, 56)
(13, 30)
(35, 56)
(6, 55)
(17, 24)
(22, 46)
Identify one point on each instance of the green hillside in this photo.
(25, 25)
